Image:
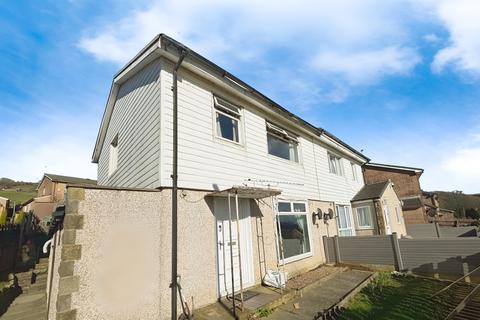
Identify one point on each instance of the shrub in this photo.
(19, 216)
(3, 216)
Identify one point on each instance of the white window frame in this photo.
(338, 162)
(113, 156)
(230, 110)
(285, 136)
(279, 236)
(369, 212)
(399, 216)
(354, 171)
(350, 218)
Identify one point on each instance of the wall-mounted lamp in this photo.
(317, 215)
(328, 215)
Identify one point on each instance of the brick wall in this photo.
(405, 184)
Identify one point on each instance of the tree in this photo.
(472, 213)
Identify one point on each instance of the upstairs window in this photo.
(113, 156)
(282, 143)
(354, 171)
(227, 120)
(335, 164)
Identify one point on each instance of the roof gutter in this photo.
(161, 43)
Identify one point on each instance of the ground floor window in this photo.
(364, 217)
(344, 220)
(293, 230)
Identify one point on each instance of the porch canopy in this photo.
(239, 192)
(246, 192)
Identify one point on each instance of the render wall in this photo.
(392, 202)
(136, 120)
(116, 247)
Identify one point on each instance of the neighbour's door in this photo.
(225, 247)
(345, 226)
(386, 214)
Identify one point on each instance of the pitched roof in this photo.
(162, 45)
(371, 191)
(71, 180)
(393, 167)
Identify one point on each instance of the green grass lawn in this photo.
(17, 197)
(403, 298)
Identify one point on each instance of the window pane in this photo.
(294, 233)
(284, 207)
(364, 217)
(281, 148)
(299, 207)
(227, 127)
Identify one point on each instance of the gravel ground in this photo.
(311, 276)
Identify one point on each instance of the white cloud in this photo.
(368, 66)
(53, 143)
(362, 41)
(431, 37)
(461, 18)
(464, 163)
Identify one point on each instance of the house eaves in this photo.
(394, 167)
(164, 46)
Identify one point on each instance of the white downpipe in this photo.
(45, 246)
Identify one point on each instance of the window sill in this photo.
(292, 162)
(228, 142)
(296, 258)
(365, 228)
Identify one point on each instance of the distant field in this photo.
(17, 197)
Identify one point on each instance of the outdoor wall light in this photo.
(327, 215)
(317, 215)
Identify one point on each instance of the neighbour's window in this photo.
(227, 120)
(293, 230)
(399, 216)
(335, 164)
(364, 217)
(354, 171)
(344, 221)
(113, 156)
(282, 143)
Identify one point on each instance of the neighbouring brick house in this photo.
(51, 194)
(406, 182)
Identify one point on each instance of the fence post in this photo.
(336, 247)
(325, 249)
(396, 252)
(437, 230)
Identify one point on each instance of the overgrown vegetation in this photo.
(464, 205)
(400, 297)
(262, 313)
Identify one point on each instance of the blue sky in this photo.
(397, 79)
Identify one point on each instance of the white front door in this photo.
(345, 225)
(386, 214)
(225, 246)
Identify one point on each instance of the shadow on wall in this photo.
(141, 79)
(452, 268)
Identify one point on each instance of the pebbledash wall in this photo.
(113, 260)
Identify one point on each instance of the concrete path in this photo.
(320, 297)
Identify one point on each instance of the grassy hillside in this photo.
(17, 191)
(458, 201)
